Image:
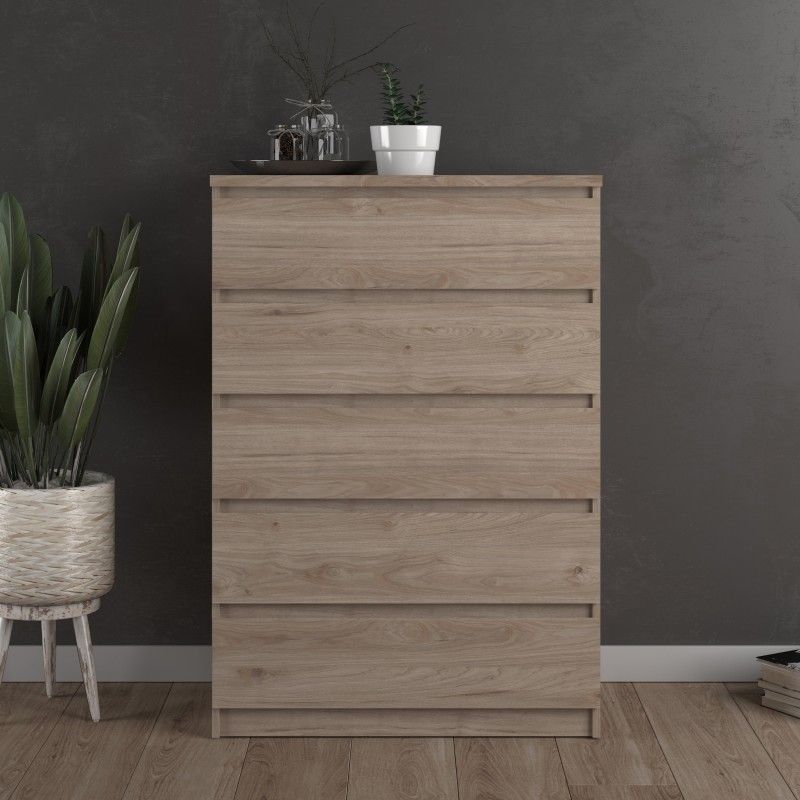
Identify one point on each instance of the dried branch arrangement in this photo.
(318, 76)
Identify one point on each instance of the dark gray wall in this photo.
(690, 109)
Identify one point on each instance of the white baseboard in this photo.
(193, 663)
(736, 662)
(115, 663)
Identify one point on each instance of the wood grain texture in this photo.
(438, 239)
(406, 452)
(27, 717)
(627, 752)
(90, 761)
(408, 181)
(709, 745)
(509, 769)
(435, 659)
(405, 722)
(295, 769)
(180, 761)
(402, 769)
(405, 557)
(328, 347)
(778, 733)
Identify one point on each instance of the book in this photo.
(790, 659)
(776, 697)
(792, 711)
(777, 688)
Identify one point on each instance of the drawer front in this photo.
(398, 556)
(402, 450)
(405, 239)
(396, 347)
(413, 657)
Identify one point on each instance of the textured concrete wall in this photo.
(690, 109)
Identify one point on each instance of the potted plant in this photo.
(405, 144)
(56, 355)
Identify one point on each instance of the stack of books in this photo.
(780, 680)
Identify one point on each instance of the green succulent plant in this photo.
(56, 351)
(395, 109)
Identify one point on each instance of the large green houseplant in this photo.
(56, 354)
(57, 350)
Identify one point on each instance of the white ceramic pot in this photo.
(405, 149)
(57, 545)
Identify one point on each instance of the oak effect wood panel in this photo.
(27, 717)
(405, 239)
(295, 769)
(180, 762)
(482, 451)
(402, 769)
(626, 755)
(329, 556)
(778, 733)
(95, 760)
(509, 769)
(406, 455)
(330, 347)
(405, 722)
(710, 747)
(407, 181)
(411, 659)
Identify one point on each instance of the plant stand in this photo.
(48, 616)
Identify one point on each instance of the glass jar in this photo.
(337, 144)
(287, 143)
(319, 120)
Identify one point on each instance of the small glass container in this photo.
(337, 144)
(287, 143)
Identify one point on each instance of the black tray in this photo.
(265, 167)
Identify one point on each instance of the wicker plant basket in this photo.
(57, 545)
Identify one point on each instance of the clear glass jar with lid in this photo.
(287, 143)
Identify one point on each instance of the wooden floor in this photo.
(659, 741)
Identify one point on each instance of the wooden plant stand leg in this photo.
(5, 640)
(84, 641)
(48, 616)
(49, 654)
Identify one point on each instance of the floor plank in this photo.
(295, 769)
(779, 733)
(88, 760)
(626, 793)
(181, 760)
(708, 743)
(626, 761)
(402, 769)
(27, 716)
(509, 769)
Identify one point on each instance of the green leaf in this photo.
(24, 292)
(13, 222)
(112, 321)
(9, 332)
(5, 271)
(26, 379)
(56, 383)
(41, 278)
(93, 276)
(127, 256)
(79, 407)
(59, 315)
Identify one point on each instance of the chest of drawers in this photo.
(406, 455)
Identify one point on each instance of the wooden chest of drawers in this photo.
(406, 466)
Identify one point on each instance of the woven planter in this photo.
(57, 545)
